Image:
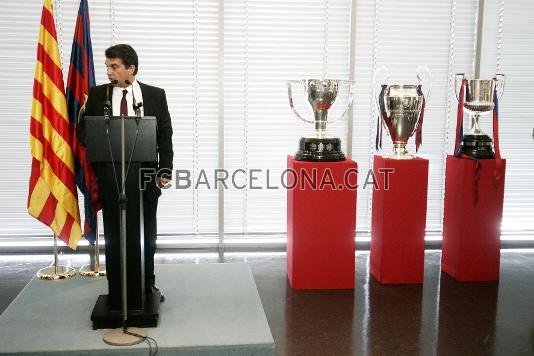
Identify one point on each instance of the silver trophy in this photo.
(401, 110)
(479, 100)
(321, 94)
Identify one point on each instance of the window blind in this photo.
(245, 54)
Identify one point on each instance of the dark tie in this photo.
(124, 104)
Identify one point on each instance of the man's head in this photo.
(121, 63)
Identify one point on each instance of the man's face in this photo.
(116, 70)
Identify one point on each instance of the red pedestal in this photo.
(321, 221)
(399, 220)
(471, 226)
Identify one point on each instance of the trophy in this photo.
(321, 94)
(479, 100)
(401, 109)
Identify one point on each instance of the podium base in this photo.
(104, 318)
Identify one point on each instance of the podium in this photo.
(399, 220)
(472, 220)
(118, 149)
(321, 222)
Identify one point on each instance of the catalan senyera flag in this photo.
(52, 196)
(81, 78)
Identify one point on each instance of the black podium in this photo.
(118, 147)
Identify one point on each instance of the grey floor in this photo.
(440, 317)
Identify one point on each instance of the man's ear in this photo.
(131, 69)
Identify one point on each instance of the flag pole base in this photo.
(50, 273)
(117, 337)
(88, 271)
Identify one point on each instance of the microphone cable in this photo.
(152, 349)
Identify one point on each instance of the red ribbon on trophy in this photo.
(460, 134)
(419, 132)
(460, 120)
(497, 174)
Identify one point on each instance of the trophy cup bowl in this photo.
(479, 100)
(400, 109)
(403, 106)
(321, 94)
(479, 97)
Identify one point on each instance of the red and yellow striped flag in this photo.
(52, 197)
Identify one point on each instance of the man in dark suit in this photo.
(123, 92)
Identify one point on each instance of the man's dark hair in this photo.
(126, 53)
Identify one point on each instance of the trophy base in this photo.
(320, 150)
(400, 151)
(399, 156)
(478, 146)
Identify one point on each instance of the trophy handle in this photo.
(377, 71)
(349, 102)
(384, 79)
(456, 83)
(290, 95)
(419, 72)
(375, 103)
(380, 116)
(499, 82)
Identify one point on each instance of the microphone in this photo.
(135, 105)
(107, 103)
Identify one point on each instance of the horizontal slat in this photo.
(266, 43)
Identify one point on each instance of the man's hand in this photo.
(161, 182)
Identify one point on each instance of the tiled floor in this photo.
(440, 317)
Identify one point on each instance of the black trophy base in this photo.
(320, 149)
(478, 146)
(105, 318)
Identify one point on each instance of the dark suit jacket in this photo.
(154, 104)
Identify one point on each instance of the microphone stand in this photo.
(137, 109)
(122, 336)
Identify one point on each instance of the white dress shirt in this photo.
(117, 97)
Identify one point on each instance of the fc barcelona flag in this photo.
(81, 78)
(52, 196)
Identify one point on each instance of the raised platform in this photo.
(210, 309)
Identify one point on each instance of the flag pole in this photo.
(93, 268)
(55, 270)
(55, 255)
